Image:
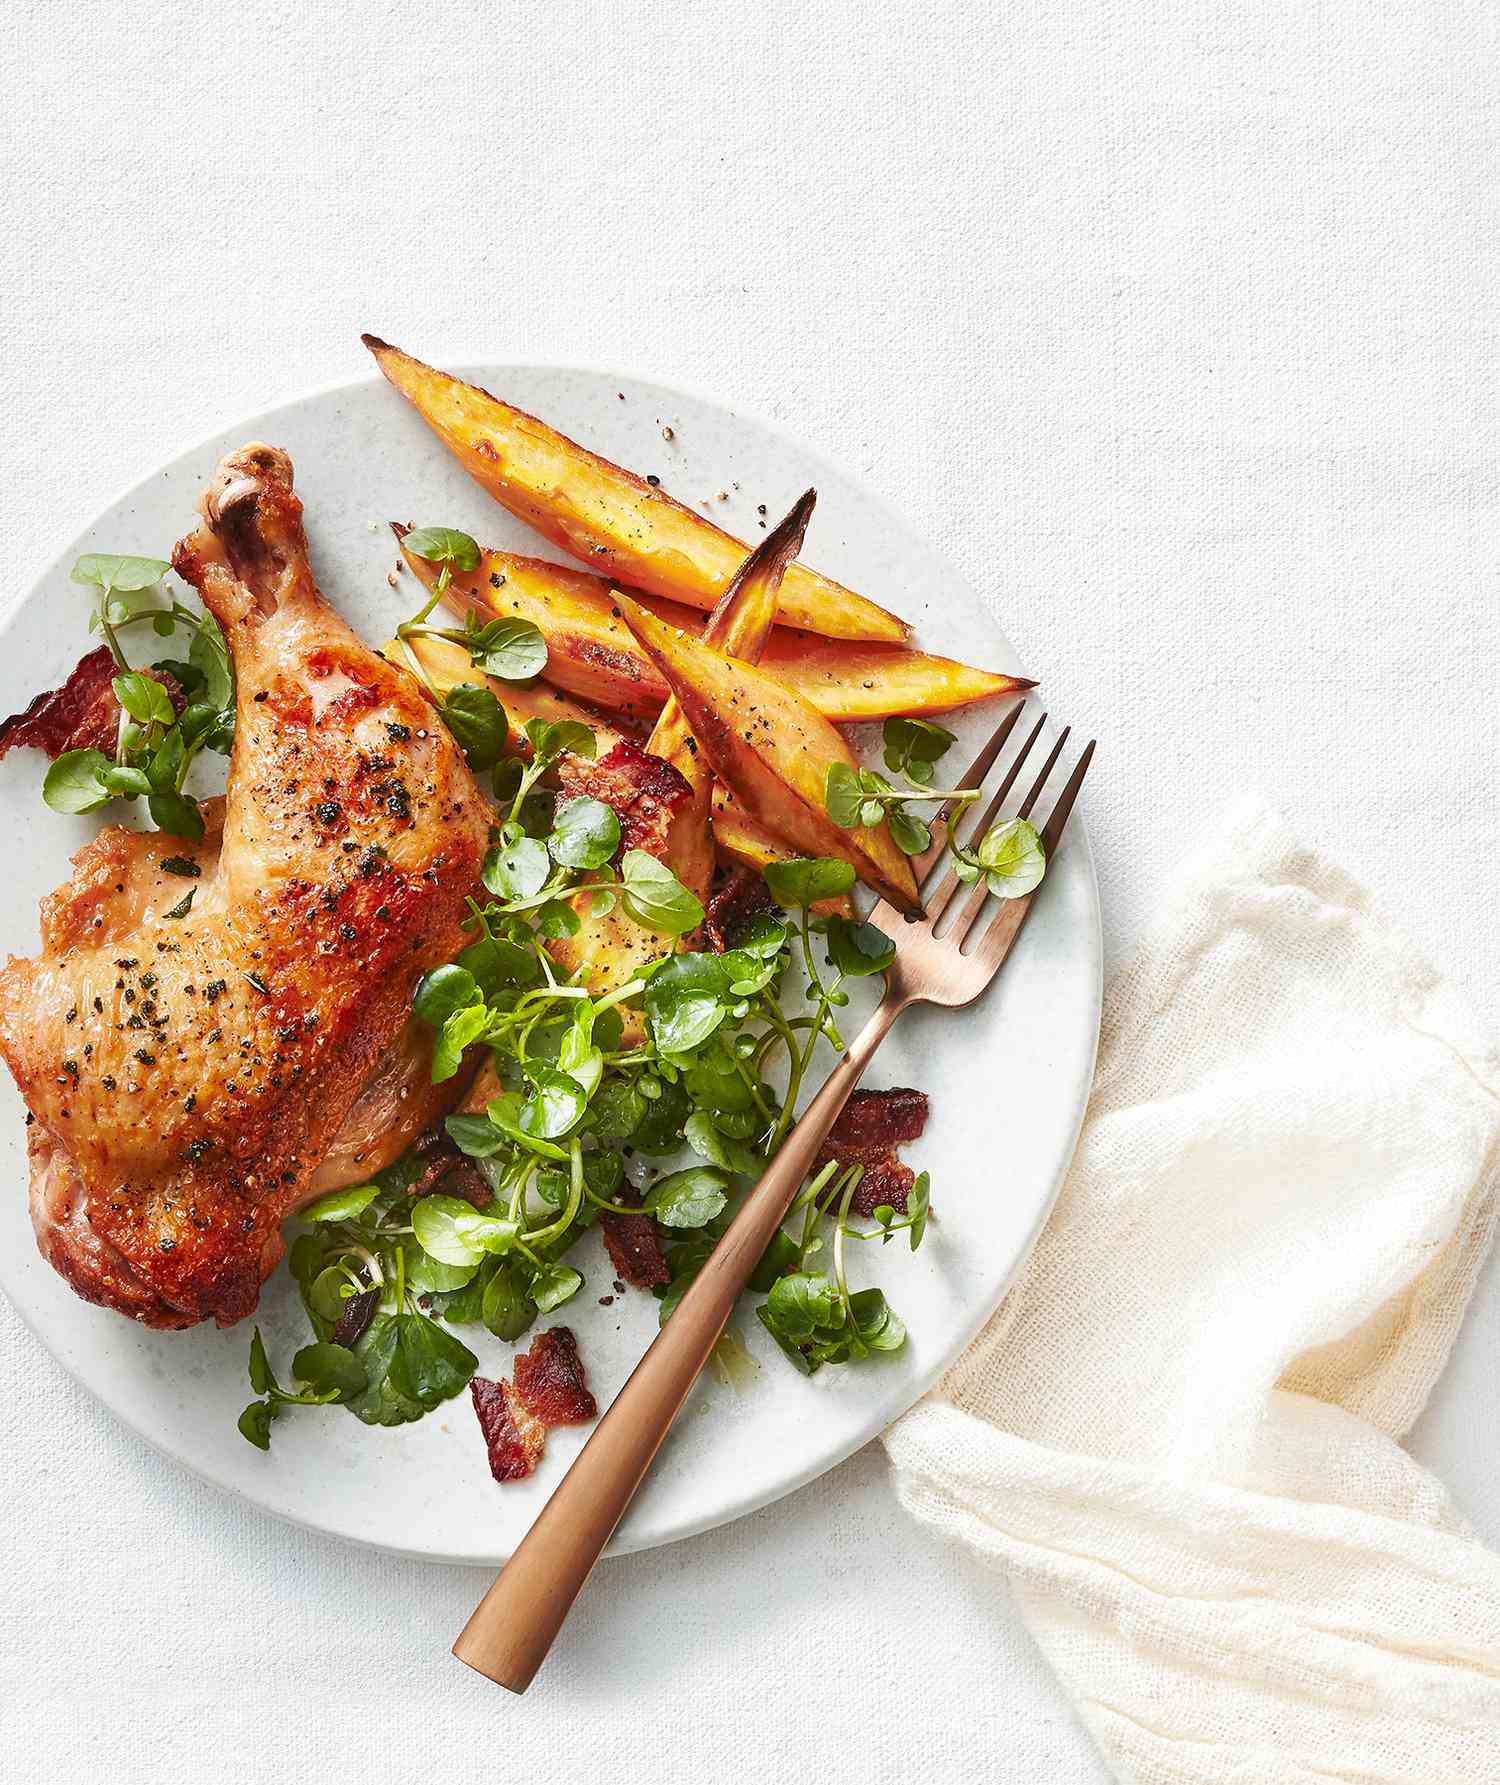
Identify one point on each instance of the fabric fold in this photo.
(1179, 1436)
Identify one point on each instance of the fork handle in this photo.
(515, 1623)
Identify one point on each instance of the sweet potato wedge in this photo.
(591, 653)
(607, 516)
(772, 749)
(610, 951)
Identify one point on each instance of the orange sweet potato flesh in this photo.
(592, 654)
(610, 951)
(613, 520)
(772, 749)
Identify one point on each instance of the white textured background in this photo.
(1175, 326)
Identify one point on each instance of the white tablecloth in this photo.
(1174, 326)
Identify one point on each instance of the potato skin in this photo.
(613, 520)
(593, 655)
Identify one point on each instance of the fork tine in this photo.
(964, 922)
(973, 776)
(938, 903)
(1002, 930)
(1053, 829)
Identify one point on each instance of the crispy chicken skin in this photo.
(188, 1077)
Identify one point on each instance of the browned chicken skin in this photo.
(192, 1080)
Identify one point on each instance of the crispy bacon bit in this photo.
(644, 791)
(873, 1125)
(513, 1437)
(635, 1249)
(551, 1382)
(448, 1171)
(550, 1389)
(741, 897)
(81, 715)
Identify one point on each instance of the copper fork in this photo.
(515, 1623)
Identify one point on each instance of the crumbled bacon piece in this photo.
(635, 1249)
(513, 1437)
(550, 1389)
(742, 897)
(81, 715)
(645, 792)
(449, 1172)
(873, 1125)
(551, 1382)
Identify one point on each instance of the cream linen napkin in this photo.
(1179, 1435)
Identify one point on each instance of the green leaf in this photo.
(685, 1001)
(779, 1258)
(718, 1149)
(802, 1304)
(858, 949)
(477, 720)
(443, 545)
(876, 1322)
(553, 1285)
(918, 1205)
(516, 870)
(913, 746)
(513, 650)
(209, 655)
(557, 918)
(455, 1232)
(910, 834)
(577, 1056)
(808, 880)
(255, 1422)
(564, 735)
(555, 1105)
(125, 782)
(325, 1366)
(143, 698)
(460, 1031)
(176, 813)
(603, 1172)
(328, 1292)
(654, 896)
(617, 1110)
(660, 1130)
(426, 1275)
(110, 571)
(842, 796)
(341, 1205)
(498, 964)
(431, 1365)
(75, 782)
(506, 1310)
(261, 1378)
(181, 866)
(380, 1403)
(442, 992)
(585, 833)
(689, 1198)
(789, 1349)
(505, 1112)
(475, 1136)
(1012, 856)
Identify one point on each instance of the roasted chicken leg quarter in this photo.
(187, 1077)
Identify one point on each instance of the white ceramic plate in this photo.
(1007, 1079)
